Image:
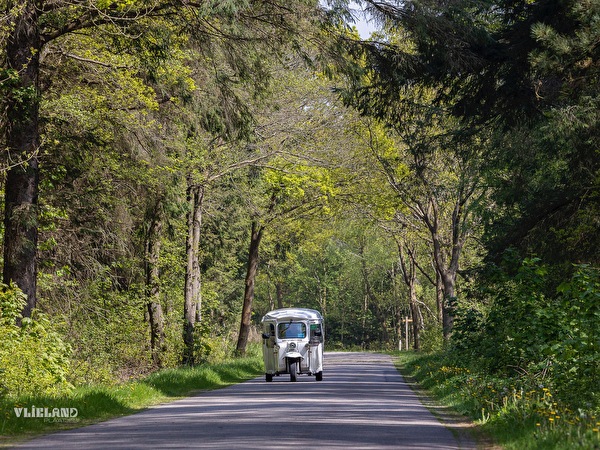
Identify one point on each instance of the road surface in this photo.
(362, 403)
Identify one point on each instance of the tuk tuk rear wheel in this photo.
(269, 377)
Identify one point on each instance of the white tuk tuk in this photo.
(293, 343)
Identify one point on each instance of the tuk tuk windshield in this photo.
(291, 330)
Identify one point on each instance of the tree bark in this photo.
(22, 137)
(193, 296)
(449, 281)
(446, 271)
(439, 295)
(415, 313)
(279, 291)
(154, 306)
(397, 308)
(409, 272)
(255, 238)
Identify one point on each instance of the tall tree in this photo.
(438, 186)
(34, 26)
(408, 265)
(153, 293)
(434, 168)
(527, 67)
(22, 55)
(256, 235)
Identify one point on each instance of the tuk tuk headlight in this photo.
(292, 346)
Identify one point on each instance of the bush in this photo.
(549, 334)
(576, 353)
(518, 412)
(33, 358)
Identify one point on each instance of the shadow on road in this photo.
(362, 403)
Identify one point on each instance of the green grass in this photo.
(513, 413)
(97, 403)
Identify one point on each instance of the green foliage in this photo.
(179, 382)
(215, 342)
(577, 351)
(118, 5)
(129, 123)
(432, 338)
(101, 402)
(521, 320)
(34, 360)
(517, 412)
(108, 334)
(529, 330)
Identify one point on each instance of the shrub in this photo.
(33, 358)
(537, 331)
(577, 353)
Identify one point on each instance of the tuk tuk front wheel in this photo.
(268, 377)
(293, 376)
(319, 376)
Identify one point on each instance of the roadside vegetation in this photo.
(95, 403)
(526, 367)
(517, 412)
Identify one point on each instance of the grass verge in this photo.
(514, 414)
(26, 417)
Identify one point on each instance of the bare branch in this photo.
(90, 61)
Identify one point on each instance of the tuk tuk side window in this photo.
(292, 330)
(316, 333)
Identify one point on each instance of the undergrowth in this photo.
(89, 404)
(517, 413)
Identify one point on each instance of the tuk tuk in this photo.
(293, 343)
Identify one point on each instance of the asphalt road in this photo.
(362, 403)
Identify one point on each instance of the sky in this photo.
(362, 24)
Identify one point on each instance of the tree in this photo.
(435, 165)
(37, 25)
(545, 178)
(525, 71)
(196, 191)
(297, 183)
(437, 187)
(249, 282)
(287, 189)
(409, 273)
(22, 55)
(152, 272)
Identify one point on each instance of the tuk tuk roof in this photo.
(293, 313)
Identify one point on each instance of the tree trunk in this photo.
(271, 301)
(155, 311)
(414, 312)
(256, 236)
(409, 272)
(193, 296)
(439, 295)
(381, 318)
(449, 281)
(447, 272)
(22, 137)
(397, 308)
(279, 290)
(323, 300)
